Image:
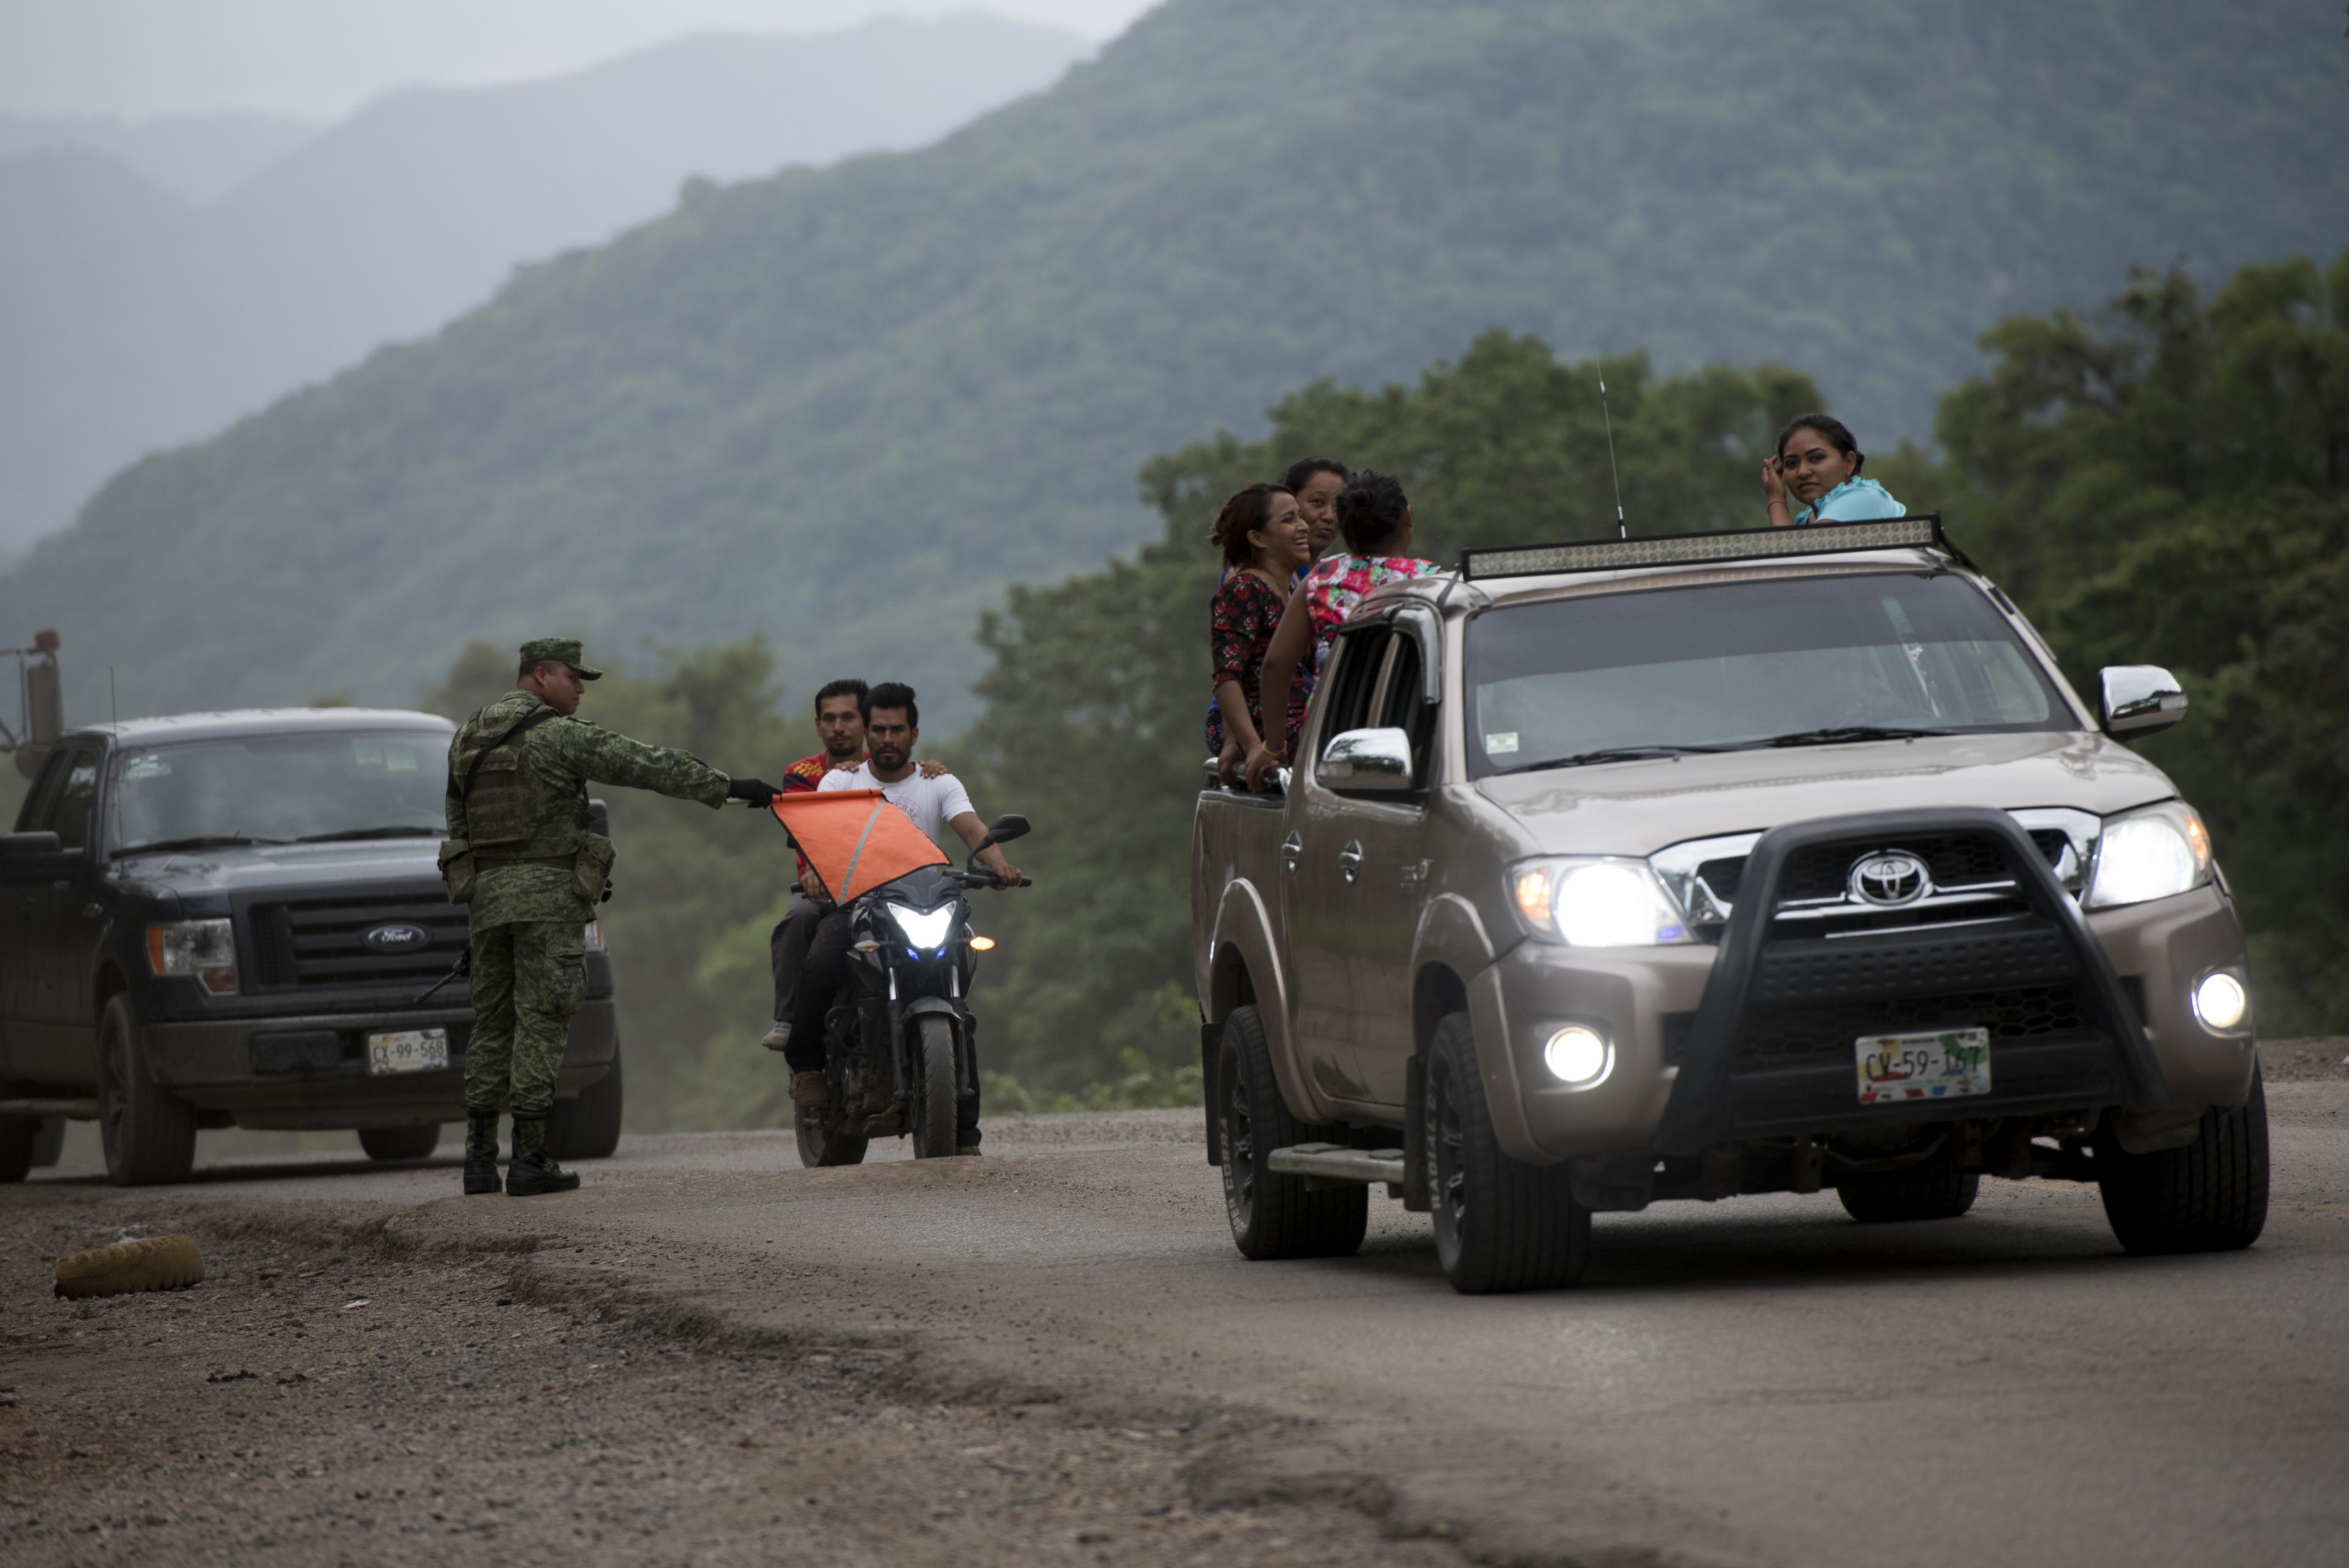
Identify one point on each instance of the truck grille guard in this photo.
(1770, 1052)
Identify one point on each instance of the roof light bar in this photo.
(1920, 532)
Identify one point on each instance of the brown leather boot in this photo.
(808, 1089)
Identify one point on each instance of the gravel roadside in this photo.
(334, 1392)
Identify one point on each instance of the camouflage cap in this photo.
(565, 649)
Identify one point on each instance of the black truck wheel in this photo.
(1876, 1200)
(17, 1135)
(147, 1135)
(1500, 1225)
(587, 1126)
(1275, 1216)
(400, 1143)
(2209, 1197)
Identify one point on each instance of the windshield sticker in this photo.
(1501, 743)
(367, 754)
(146, 766)
(399, 759)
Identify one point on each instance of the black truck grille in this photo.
(324, 942)
(1956, 860)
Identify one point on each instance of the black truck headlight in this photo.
(205, 948)
(2154, 853)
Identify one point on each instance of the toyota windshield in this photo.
(309, 787)
(1784, 661)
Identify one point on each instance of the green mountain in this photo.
(844, 406)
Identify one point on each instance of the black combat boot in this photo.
(532, 1170)
(480, 1153)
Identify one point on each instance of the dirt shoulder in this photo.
(337, 1390)
(2317, 1059)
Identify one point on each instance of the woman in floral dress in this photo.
(1265, 539)
(1374, 515)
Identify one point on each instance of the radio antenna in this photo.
(1622, 529)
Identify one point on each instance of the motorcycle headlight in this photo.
(2154, 853)
(923, 929)
(1588, 902)
(205, 948)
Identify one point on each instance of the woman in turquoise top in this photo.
(1818, 466)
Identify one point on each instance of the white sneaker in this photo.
(778, 1037)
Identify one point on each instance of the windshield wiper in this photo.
(1613, 754)
(198, 841)
(351, 832)
(1840, 734)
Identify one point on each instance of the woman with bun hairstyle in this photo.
(1264, 539)
(1374, 515)
(1817, 466)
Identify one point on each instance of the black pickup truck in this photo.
(220, 919)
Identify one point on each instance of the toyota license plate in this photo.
(407, 1051)
(1895, 1069)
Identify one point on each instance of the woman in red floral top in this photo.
(1264, 541)
(1374, 515)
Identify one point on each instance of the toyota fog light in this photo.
(2221, 1001)
(1577, 1056)
(205, 948)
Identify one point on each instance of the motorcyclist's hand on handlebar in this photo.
(760, 794)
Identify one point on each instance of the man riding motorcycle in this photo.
(892, 720)
(840, 725)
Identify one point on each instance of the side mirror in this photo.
(27, 845)
(1002, 830)
(1366, 761)
(2140, 699)
(599, 818)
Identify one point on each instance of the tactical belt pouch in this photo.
(457, 868)
(591, 867)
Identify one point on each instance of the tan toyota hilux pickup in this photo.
(1768, 861)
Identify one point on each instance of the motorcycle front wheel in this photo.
(930, 1104)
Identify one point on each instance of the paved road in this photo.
(1753, 1381)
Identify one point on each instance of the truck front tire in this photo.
(2209, 1197)
(588, 1125)
(1500, 1225)
(400, 1143)
(147, 1135)
(1275, 1216)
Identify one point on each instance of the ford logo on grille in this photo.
(1889, 878)
(397, 938)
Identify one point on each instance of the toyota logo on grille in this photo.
(1889, 878)
(397, 938)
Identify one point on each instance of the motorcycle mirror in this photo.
(1003, 830)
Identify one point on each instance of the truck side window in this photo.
(70, 818)
(1355, 680)
(33, 814)
(1405, 706)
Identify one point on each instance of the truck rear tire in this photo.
(588, 1125)
(147, 1135)
(17, 1135)
(1500, 1225)
(1879, 1200)
(2209, 1197)
(400, 1143)
(1275, 1216)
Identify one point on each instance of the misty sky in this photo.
(318, 60)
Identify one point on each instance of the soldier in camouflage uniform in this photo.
(521, 857)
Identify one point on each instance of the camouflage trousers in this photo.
(528, 979)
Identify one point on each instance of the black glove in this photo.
(759, 795)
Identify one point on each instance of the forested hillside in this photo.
(846, 406)
(410, 211)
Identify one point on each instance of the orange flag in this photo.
(855, 839)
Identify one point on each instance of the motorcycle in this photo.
(898, 1036)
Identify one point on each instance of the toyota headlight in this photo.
(205, 948)
(2154, 853)
(925, 928)
(1589, 902)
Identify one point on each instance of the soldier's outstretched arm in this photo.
(608, 758)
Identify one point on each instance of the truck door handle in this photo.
(1290, 848)
(1350, 860)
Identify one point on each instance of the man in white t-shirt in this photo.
(891, 721)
